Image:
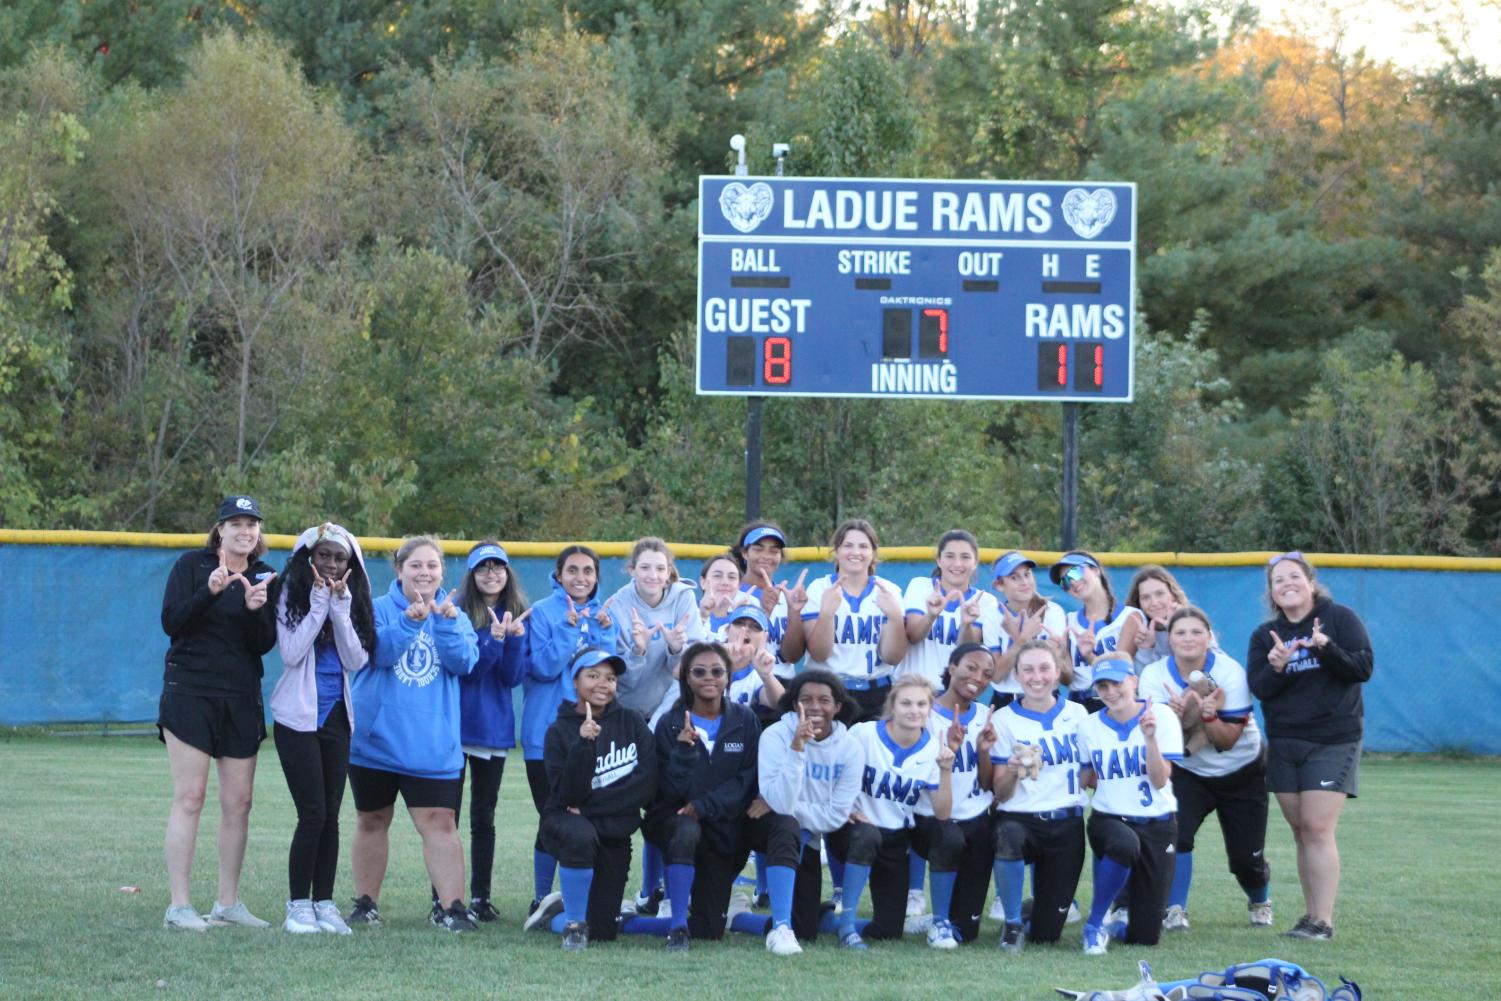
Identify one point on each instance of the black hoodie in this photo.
(608, 779)
(1317, 696)
(217, 643)
(720, 785)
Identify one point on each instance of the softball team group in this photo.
(953, 734)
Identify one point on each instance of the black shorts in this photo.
(221, 726)
(375, 789)
(1294, 765)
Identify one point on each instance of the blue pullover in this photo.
(551, 644)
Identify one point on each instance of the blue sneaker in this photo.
(852, 940)
(1094, 940)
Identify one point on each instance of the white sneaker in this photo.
(920, 925)
(184, 918)
(781, 942)
(917, 904)
(997, 912)
(329, 918)
(302, 919)
(1094, 941)
(1074, 914)
(941, 936)
(740, 903)
(1261, 913)
(1176, 918)
(664, 909)
(235, 914)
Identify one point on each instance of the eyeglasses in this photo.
(706, 672)
(1070, 577)
(489, 570)
(1294, 555)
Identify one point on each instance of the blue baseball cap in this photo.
(754, 614)
(1070, 560)
(239, 506)
(486, 552)
(764, 532)
(1111, 669)
(1008, 563)
(593, 657)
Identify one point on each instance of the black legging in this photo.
(484, 793)
(316, 763)
(885, 851)
(536, 781)
(1240, 798)
(575, 842)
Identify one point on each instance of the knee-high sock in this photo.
(651, 868)
(679, 889)
(780, 880)
(544, 867)
(1261, 894)
(751, 923)
(855, 878)
(917, 868)
(836, 872)
(1183, 877)
(1109, 878)
(576, 884)
(761, 885)
(1010, 880)
(640, 924)
(942, 884)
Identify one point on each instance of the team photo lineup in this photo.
(926, 744)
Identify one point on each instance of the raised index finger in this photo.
(802, 577)
(588, 711)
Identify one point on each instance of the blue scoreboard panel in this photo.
(1012, 290)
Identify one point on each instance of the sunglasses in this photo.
(1070, 577)
(1294, 555)
(706, 672)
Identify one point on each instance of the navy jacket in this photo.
(720, 785)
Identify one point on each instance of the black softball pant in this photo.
(484, 794)
(1055, 850)
(1148, 848)
(316, 764)
(885, 851)
(962, 847)
(575, 842)
(681, 842)
(536, 781)
(1240, 798)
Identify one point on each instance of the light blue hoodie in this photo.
(407, 700)
(551, 644)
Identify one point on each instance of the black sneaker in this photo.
(1311, 930)
(763, 901)
(575, 936)
(365, 911)
(436, 914)
(677, 940)
(456, 918)
(1013, 939)
(649, 905)
(480, 909)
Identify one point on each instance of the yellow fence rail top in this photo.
(796, 554)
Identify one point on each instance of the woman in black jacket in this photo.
(601, 771)
(220, 612)
(1306, 666)
(706, 761)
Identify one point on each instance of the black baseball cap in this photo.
(237, 506)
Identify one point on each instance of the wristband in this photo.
(1208, 717)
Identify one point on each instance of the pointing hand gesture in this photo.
(769, 592)
(1319, 637)
(446, 608)
(688, 734)
(936, 600)
(763, 662)
(573, 611)
(1084, 640)
(888, 603)
(954, 737)
(797, 597)
(1148, 722)
(988, 737)
(319, 581)
(945, 758)
(677, 636)
(969, 611)
(603, 618)
(588, 729)
(804, 731)
(255, 596)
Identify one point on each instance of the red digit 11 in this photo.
(776, 367)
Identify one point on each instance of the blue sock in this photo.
(751, 924)
(917, 868)
(1260, 895)
(576, 884)
(855, 878)
(1183, 877)
(651, 868)
(943, 892)
(1109, 877)
(761, 884)
(836, 872)
(831, 922)
(679, 890)
(557, 923)
(1010, 880)
(779, 883)
(544, 867)
(640, 924)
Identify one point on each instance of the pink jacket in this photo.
(294, 700)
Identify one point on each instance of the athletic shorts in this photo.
(221, 726)
(1294, 765)
(375, 789)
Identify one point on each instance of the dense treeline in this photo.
(429, 265)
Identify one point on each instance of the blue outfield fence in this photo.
(81, 637)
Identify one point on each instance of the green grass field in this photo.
(84, 816)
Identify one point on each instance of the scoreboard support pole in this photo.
(1070, 475)
(753, 457)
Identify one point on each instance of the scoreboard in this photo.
(1011, 290)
